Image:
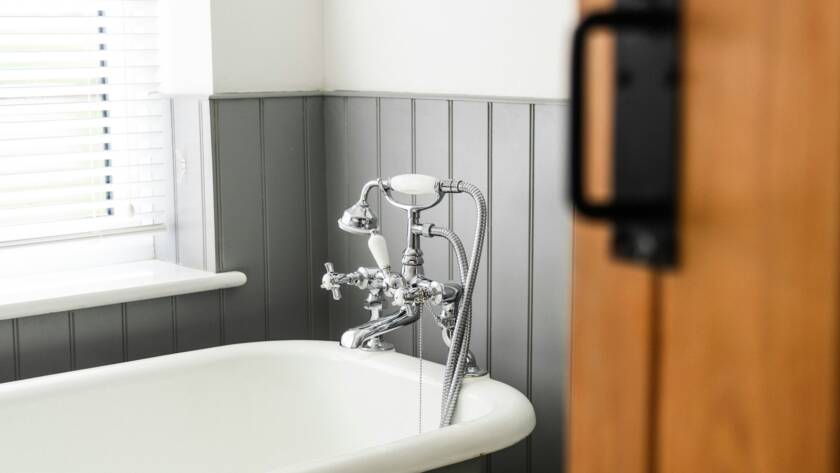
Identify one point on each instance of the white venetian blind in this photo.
(82, 142)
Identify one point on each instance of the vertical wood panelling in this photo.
(335, 137)
(431, 121)
(240, 222)
(551, 289)
(361, 167)
(44, 345)
(198, 320)
(98, 333)
(7, 351)
(149, 328)
(510, 254)
(285, 207)
(317, 224)
(395, 148)
(469, 150)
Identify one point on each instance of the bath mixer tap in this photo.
(408, 296)
(409, 289)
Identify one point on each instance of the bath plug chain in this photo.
(420, 370)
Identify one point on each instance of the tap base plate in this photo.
(376, 344)
(474, 372)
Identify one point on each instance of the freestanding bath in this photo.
(290, 406)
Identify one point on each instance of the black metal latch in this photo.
(643, 209)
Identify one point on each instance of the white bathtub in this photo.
(292, 406)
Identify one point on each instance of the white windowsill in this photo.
(35, 294)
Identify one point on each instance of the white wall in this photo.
(186, 57)
(476, 47)
(267, 45)
(514, 48)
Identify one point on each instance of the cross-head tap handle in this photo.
(328, 284)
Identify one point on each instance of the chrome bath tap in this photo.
(409, 289)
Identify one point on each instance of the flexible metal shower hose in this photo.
(456, 360)
(463, 264)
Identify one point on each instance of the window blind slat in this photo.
(51, 128)
(95, 92)
(152, 106)
(58, 212)
(151, 171)
(17, 164)
(77, 42)
(32, 198)
(121, 124)
(87, 233)
(111, 75)
(47, 125)
(109, 58)
(68, 25)
(58, 143)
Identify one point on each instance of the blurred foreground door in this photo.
(730, 362)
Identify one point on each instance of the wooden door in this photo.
(729, 363)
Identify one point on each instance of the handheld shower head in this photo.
(359, 219)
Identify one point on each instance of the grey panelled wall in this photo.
(53, 343)
(284, 169)
(270, 207)
(269, 163)
(514, 151)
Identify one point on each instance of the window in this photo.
(84, 135)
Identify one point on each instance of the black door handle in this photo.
(643, 203)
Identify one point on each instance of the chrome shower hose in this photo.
(456, 360)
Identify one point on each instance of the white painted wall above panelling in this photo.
(267, 45)
(185, 47)
(478, 47)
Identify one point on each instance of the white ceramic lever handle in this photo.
(414, 184)
(379, 248)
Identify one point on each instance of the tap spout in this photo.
(356, 336)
